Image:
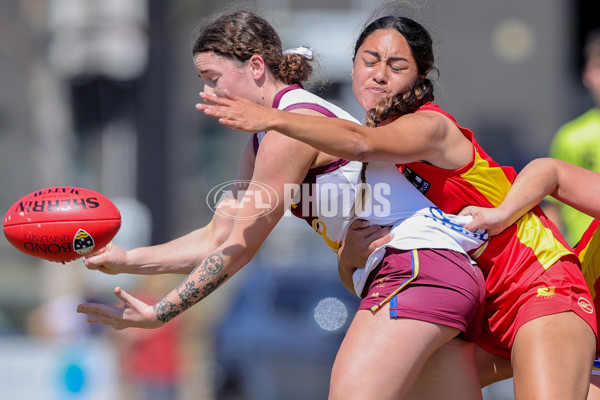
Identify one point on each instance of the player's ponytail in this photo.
(295, 65)
(402, 103)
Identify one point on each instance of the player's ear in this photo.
(257, 66)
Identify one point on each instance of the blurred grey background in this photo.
(101, 94)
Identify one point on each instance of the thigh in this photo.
(381, 357)
(450, 373)
(594, 392)
(552, 357)
(491, 368)
(559, 289)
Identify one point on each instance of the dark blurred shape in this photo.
(105, 38)
(152, 143)
(279, 338)
(6, 326)
(585, 20)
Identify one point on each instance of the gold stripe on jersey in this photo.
(544, 245)
(590, 262)
(480, 176)
(479, 250)
(533, 234)
(321, 229)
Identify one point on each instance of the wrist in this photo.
(507, 216)
(126, 265)
(348, 268)
(130, 262)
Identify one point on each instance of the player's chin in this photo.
(369, 101)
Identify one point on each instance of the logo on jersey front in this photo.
(546, 292)
(585, 305)
(242, 199)
(421, 184)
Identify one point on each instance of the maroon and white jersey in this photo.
(327, 198)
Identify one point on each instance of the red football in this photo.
(61, 223)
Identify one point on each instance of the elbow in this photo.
(238, 255)
(551, 169)
(361, 155)
(219, 236)
(360, 150)
(545, 164)
(245, 256)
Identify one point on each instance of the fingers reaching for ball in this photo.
(133, 314)
(109, 259)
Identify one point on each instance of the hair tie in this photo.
(307, 52)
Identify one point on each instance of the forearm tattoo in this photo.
(191, 290)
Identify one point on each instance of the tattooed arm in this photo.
(208, 277)
(274, 168)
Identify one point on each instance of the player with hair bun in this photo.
(540, 323)
(423, 290)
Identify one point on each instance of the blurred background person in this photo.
(578, 141)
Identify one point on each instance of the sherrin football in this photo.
(61, 223)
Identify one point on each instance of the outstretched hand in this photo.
(134, 313)
(236, 112)
(492, 220)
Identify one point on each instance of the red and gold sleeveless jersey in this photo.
(519, 254)
(588, 251)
